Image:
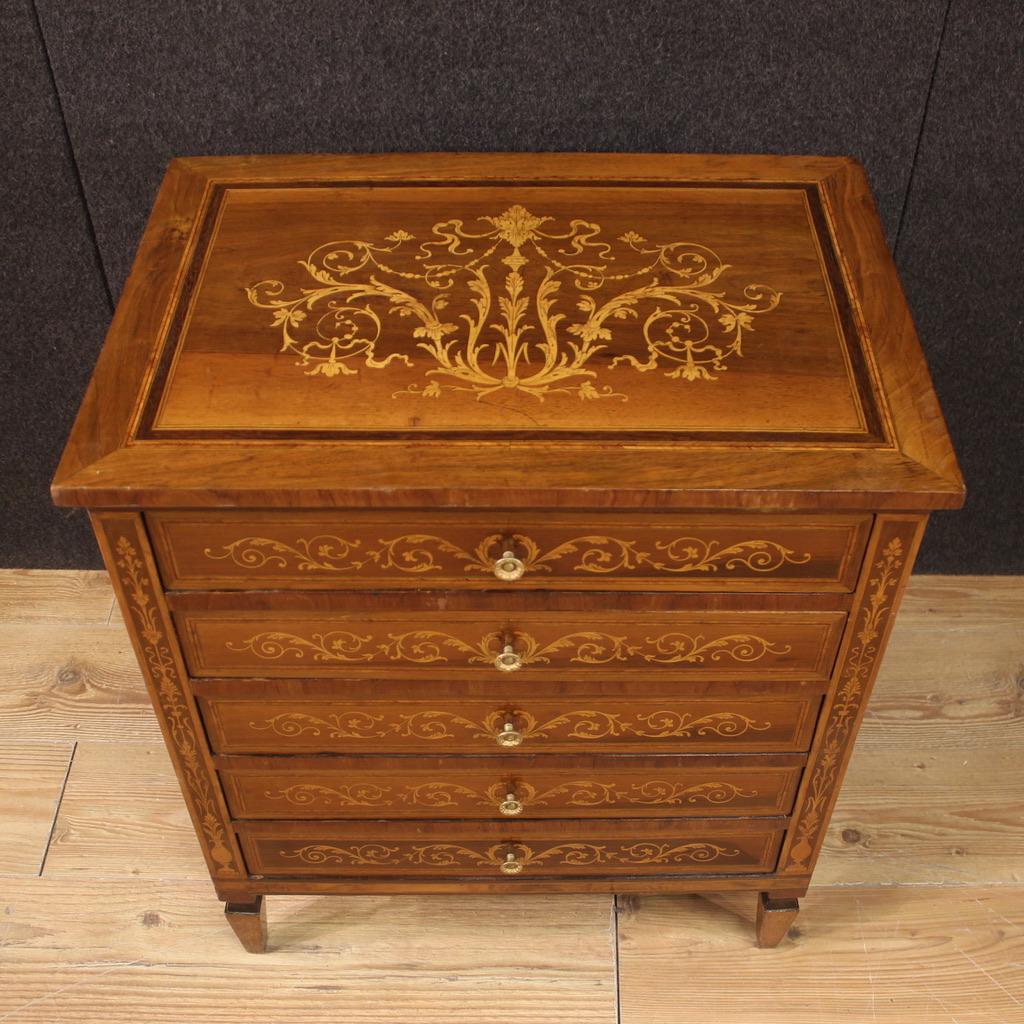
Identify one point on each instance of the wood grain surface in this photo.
(71, 681)
(415, 850)
(335, 721)
(463, 550)
(122, 816)
(840, 363)
(496, 788)
(946, 721)
(115, 952)
(588, 267)
(932, 931)
(903, 956)
(424, 643)
(41, 595)
(31, 782)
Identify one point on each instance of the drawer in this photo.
(249, 717)
(505, 787)
(364, 637)
(648, 551)
(512, 849)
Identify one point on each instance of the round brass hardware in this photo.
(511, 865)
(508, 660)
(508, 567)
(509, 736)
(510, 806)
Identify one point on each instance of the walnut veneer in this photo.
(500, 523)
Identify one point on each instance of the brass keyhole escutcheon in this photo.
(511, 865)
(511, 805)
(509, 567)
(509, 736)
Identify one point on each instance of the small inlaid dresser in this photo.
(510, 523)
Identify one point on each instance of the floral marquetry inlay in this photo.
(514, 302)
(429, 646)
(423, 553)
(575, 793)
(159, 662)
(583, 724)
(560, 855)
(854, 679)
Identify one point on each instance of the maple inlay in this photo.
(489, 309)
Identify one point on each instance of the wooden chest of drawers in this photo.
(510, 522)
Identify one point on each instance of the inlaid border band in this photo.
(132, 573)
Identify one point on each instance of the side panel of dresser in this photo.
(886, 569)
(129, 559)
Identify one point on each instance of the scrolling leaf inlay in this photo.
(853, 681)
(133, 576)
(577, 793)
(584, 724)
(308, 794)
(429, 646)
(564, 854)
(446, 292)
(365, 854)
(418, 553)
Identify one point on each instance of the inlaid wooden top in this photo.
(538, 310)
(470, 328)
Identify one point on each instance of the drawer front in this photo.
(649, 551)
(449, 644)
(508, 787)
(512, 850)
(250, 723)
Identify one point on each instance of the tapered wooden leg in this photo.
(249, 921)
(774, 919)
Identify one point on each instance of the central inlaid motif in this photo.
(540, 329)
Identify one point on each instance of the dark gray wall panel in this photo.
(140, 83)
(53, 306)
(961, 252)
(145, 82)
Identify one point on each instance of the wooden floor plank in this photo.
(31, 781)
(105, 953)
(42, 595)
(934, 802)
(934, 793)
(944, 685)
(962, 600)
(928, 814)
(893, 956)
(71, 682)
(123, 816)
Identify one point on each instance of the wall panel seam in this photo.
(69, 149)
(921, 128)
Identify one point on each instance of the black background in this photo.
(99, 95)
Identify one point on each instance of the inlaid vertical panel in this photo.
(130, 562)
(886, 570)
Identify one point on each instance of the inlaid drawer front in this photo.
(507, 787)
(513, 849)
(649, 551)
(445, 644)
(249, 724)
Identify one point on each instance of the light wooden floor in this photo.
(917, 916)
